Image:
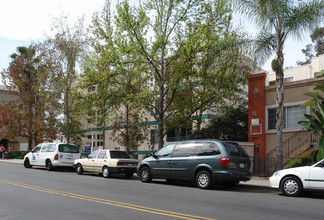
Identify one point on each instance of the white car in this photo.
(295, 180)
(52, 155)
(106, 162)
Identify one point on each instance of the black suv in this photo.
(205, 161)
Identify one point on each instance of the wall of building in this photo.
(302, 72)
(294, 95)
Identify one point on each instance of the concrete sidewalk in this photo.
(255, 181)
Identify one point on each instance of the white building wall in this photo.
(306, 71)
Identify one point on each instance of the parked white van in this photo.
(52, 155)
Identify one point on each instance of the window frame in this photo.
(291, 104)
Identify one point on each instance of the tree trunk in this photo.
(279, 105)
(67, 113)
(127, 128)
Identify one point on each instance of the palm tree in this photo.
(278, 20)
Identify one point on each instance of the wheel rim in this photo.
(144, 175)
(203, 180)
(105, 172)
(79, 169)
(48, 165)
(291, 186)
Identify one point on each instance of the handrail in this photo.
(289, 146)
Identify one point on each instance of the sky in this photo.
(26, 21)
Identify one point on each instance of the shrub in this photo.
(304, 159)
(13, 154)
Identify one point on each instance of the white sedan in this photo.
(106, 162)
(295, 180)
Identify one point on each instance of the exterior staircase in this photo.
(296, 144)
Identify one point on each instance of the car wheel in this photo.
(291, 186)
(27, 163)
(129, 175)
(145, 175)
(203, 179)
(79, 169)
(49, 165)
(105, 172)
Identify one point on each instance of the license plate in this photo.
(242, 165)
(130, 165)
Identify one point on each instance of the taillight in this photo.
(225, 161)
(120, 163)
(56, 157)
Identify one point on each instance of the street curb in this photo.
(19, 162)
(256, 182)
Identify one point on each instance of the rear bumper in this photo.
(228, 176)
(122, 169)
(57, 163)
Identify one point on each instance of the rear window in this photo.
(66, 148)
(119, 154)
(235, 150)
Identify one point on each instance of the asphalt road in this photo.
(39, 194)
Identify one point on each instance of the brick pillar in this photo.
(257, 116)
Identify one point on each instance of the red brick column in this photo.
(257, 115)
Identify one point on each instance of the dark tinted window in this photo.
(165, 151)
(119, 154)
(207, 149)
(66, 148)
(184, 150)
(102, 155)
(235, 150)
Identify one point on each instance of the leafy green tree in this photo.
(315, 123)
(232, 124)
(156, 49)
(34, 114)
(314, 50)
(278, 20)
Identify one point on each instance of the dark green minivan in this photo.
(206, 162)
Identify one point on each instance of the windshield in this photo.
(119, 154)
(66, 148)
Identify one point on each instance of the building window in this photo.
(154, 136)
(288, 79)
(100, 136)
(292, 114)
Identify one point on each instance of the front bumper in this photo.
(275, 181)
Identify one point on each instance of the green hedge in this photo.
(13, 154)
(303, 159)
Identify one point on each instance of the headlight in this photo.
(277, 173)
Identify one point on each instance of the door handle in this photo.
(168, 162)
(173, 162)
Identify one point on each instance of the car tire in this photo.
(79, 169)
(48, 165)
(203, 179)
(291, 186)
(129, 175)
(145, 175)
(27, 163)
(105, 172)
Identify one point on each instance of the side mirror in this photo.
(155, 156)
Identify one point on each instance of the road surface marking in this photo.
(107, 202)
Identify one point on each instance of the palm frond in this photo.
(265, 45)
